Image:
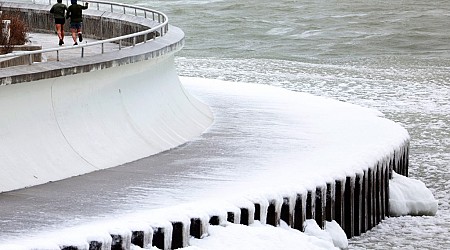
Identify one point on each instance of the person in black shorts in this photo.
(74, 12)
(59, 10)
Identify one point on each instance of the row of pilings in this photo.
(357, 203)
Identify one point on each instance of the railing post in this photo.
(120, 44)
(30, 59)
(57, 55)
(134, 41)
(82, 52)
(103, 48)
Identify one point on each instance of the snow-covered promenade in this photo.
(269, 155)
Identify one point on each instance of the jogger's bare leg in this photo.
(59, 31)
(74, 35)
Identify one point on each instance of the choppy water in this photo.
(389, 55)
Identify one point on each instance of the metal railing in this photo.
(147, 13)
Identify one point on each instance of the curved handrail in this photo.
(163, 27)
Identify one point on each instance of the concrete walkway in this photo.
(51, 41)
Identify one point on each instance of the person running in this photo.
(59, 10)
(75, 13)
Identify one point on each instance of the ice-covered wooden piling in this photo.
(287, 214)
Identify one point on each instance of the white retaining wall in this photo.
(60, 127)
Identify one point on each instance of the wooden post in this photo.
(349, 206)
(231, 217)
(137, 238)
(196, 228)
(257, 211)
(386, 190)
(310, 204)
(271, 218)
(383, 189)
(286, 213)
(299, 212)
(339, 202)
(378, 193)
(97, 245)
(319, 214)
(398, 155)
(214, 220)
(330, 199)
(370, 200)
(177, 235)
(364, 202)
(120, 241)
(245, 216)
(406, 165)
(357, 203)
(159, 238)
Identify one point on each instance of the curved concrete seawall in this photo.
(61, 119)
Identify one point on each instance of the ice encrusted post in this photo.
(357, 219)
(330, 200)
(339, 202)
(287, 214)
(300, 212)
(320, 205)
(349, 206)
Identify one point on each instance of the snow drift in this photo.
(410, 197)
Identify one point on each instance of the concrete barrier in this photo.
(22, 60)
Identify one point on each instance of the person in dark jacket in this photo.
(75, 13)
(59, 10)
